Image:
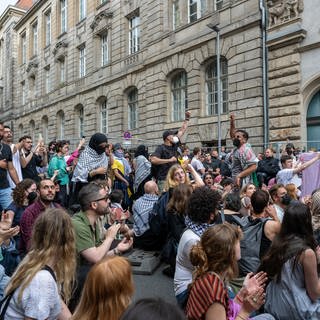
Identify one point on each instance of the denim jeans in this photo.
(5, 198)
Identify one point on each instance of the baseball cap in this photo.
(168, 133)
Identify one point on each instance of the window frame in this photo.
(133, 103)
(104, 38)
(24, 47)
(35, 38)
(104, 117)
(179, 106)
(63, 16)
(82, 9)
(198, 13)
(134, 33)
(82, 61)
(48, 28)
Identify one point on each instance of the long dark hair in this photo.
(295, 236)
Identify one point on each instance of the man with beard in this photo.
(267, 167)
(5, 167)
(46, 193)
(244, 161)
(91, 244)
(15, 149)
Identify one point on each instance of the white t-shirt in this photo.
(40, 300)
(184, 268)
(17, 166)
(286, 176)
(197, 164)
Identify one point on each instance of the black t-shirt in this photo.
(5, 154)
(30, 171)
(164, 152)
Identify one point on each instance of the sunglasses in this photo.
(106, 197)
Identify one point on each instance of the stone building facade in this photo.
(294, 72)
(132, 65)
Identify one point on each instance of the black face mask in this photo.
(100, 150)
(32, 196)
(285, 200)
(236, 142)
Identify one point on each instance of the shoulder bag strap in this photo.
(5, 303)
(47, 268)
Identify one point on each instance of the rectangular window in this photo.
(179, 96)
(48, 27)
(82, 9)
(62, 71)
(196, 9)
(104, 50)
(133, 109)
(134, 34)
(63, 15)
(35, 39)
(175, 14)
(218, 4)
(82, 62)
(104, 117)
(47, 80)
(23, 48)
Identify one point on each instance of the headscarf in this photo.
(141, 151)
(119, 155)
(96, 140)
(91, 158)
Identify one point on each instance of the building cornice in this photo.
(8, 12)
(35, 7)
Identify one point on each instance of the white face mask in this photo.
(175, 139)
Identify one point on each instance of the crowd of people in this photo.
(239, 233)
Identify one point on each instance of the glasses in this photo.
(106, 197)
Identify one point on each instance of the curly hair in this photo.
(19, 194)
(216, 251)
(202, 203)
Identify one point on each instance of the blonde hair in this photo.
(107, 291)
(216, 251)
(170, 181)
(52, 238)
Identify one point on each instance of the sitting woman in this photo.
(291, 264)
(245, 195)
(107, 291)
(43, 281)
(215, 259)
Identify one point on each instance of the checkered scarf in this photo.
(315, 209)
(197, 228)
(89, 160)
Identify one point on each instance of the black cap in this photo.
(168, 133)
(117, 146)
(290, 146)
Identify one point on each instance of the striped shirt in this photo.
(205, 291)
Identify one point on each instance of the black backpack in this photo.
(250, 243)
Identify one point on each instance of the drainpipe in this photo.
(264, 74)
(219, 98)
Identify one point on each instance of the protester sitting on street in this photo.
(142, 169)
(153, 308)
(280, 199)
(165, 155)
(107, 291)
(142, 208)
(291, 264)
(215, 260)
(202, 213)
(46, 193)
(245, 195)
(42, 285)
(288, 172)
(259, 230)
(176, 213)
(267, 168)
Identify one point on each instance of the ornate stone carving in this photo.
(283, 10)
(60, 46)
(32, 67)
(106, 14)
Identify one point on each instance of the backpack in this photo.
(250, 243)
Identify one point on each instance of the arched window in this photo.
(44, 128)
(60, 124)
(313, 122)
(179, 96)
(133, 109)
(104, 116)
(20, 130)
(212, 86)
